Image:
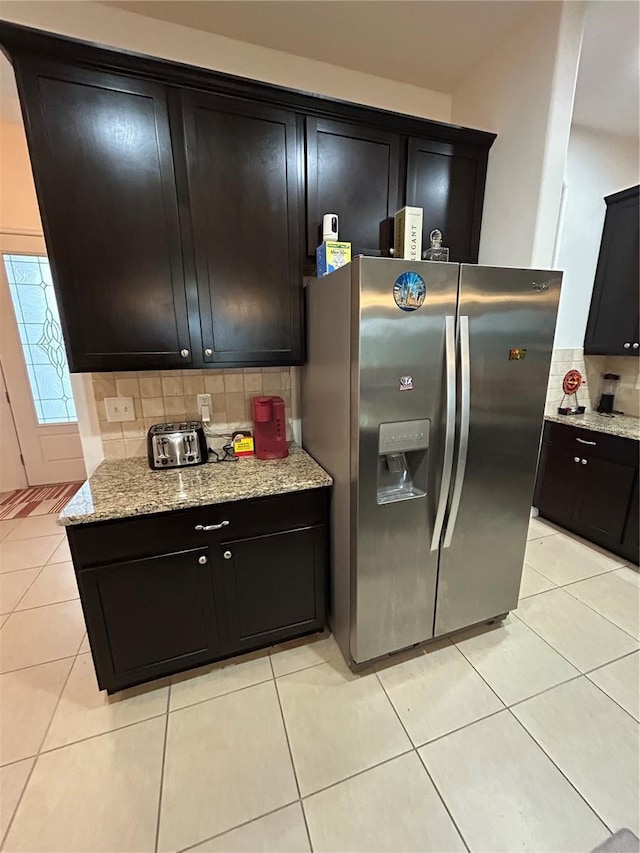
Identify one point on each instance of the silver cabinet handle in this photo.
(450, 359)
(202, 560)
(208, 351)
(212, 526)
(184, 353)
(227, 555)
(584, 441)
(576, 458)
(626, 346)
(636, 345)
(584, 461)
(465, 417)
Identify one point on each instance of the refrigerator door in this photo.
(400, 379)
(505, 351)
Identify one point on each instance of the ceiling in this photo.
(431, 44)
(608, 88)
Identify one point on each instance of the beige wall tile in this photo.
(133, 429)
(193, 384)
(172, 386)
(148, 374)
(114, 449)
(127, 387)
(135, 447)
(153, 407)
(103, 388)
(150, 387)
(110, 431)
(236, 407)
(233, 383)
(214, 383)
(253, 383)
(175, 406)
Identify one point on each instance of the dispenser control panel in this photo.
(403, 436)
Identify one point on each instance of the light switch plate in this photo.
(119, 409)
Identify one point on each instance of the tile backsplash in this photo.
(165, 395)
(592, 368)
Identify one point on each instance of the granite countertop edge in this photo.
(116, 492)
(623, 426)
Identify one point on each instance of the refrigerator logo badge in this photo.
(406, 383)
(409, 291)
(540, 286)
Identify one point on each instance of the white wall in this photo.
(598, 164)
(524, 93)
(18, 205)
(104, 25)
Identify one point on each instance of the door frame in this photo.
(39, 470)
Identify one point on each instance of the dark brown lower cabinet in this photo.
(588, 483)
(161, 595)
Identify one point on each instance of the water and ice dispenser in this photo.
(403, 449)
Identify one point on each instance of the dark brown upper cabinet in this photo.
(447, 181)
(182, 206)
(101, 152)
(352, 171)
(612, 327)
(242, 162)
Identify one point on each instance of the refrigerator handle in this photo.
(447, 465)
(465, 414)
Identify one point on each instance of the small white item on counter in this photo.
(330, 226)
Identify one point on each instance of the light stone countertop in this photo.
(123, 488)
(621, 425)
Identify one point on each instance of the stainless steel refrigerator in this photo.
(423, 396)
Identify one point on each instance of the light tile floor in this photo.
(523, 736)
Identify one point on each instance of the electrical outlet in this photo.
(119, 409)
(638, 382)
(204, 402)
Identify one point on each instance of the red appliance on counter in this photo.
(269, 427)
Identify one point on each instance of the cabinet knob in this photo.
(227, 555)
(208, 352)
(202, 560)
(584, 461)
(184, 353)
(636, 345)
(627, 346)
(576, 458)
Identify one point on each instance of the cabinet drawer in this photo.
(103, 542)
(591, 444)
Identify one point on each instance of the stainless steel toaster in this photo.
(177, 445)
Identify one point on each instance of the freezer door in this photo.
(504, 367)
(399, 380)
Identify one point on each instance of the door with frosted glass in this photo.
(35, 366)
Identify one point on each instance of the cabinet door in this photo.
(631, 537)
(557, 484)
(612, 327)
(352, 170)
(149, 617)
(101, 152)
(603, 500)
(275, 586)
(447, 181)
(242, 166)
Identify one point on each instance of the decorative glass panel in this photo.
(34, 303)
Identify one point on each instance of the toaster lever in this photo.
(212, 526)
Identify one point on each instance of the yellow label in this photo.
(243, 445)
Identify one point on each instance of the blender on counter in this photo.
(607, 397)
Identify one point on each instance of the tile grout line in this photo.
(40, 606)
(415, 750)
(293, 764)
(604, 693)
(162, 766)
(13, 610)
(575, 597)
(559, 769)
(44, 737)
